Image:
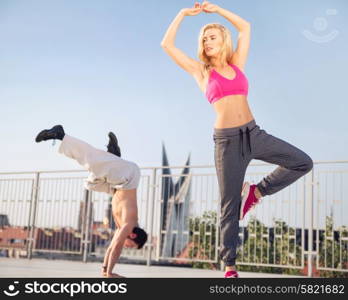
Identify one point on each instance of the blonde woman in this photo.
(220, 75)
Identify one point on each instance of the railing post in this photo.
(160, 217)
(32, 215)
(87, 226)
(310, 223)
(151, 209)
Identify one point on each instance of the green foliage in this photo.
(333, 253)
(259, 249)
(203, 239)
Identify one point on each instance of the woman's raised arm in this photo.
(243, 27)
(168, 43)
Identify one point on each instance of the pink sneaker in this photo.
(231, 274)
(248, 199)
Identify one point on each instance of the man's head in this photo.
(136, 239)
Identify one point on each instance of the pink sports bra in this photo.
(219, 86)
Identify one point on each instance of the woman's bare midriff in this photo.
(232, 111)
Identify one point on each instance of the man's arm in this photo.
(125, 223)
(117, 245)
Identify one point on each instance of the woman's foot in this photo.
(250, 197)
(55, 133)
(231, 274)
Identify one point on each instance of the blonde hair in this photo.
(226, 49)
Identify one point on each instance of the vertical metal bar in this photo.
(317, 184)
(86, 229)
(325, 230)
(200, 244)
(69, 218)
(303, 228)
(217, 226)
(212, 223)
(60, 220)
(289, 227)
(46, 189)
(275, 234)
(281, 229)
(333, 224)
(145, 186)
(32, 216)
(160, 216)
(310, 224)
(341, 227)
(152, 206)
(82, 221)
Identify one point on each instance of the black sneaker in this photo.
(55, 133)
(113, 145)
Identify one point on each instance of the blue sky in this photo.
(96, 66)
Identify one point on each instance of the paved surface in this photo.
(12, 267)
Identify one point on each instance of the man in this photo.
(113, 175)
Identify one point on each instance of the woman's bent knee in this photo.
(307, 165)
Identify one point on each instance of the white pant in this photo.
(107, 171)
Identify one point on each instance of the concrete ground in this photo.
(21, 267)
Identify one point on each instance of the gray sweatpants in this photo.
(234, 149)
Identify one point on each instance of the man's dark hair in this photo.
(141, 237)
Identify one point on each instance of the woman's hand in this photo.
(193, 11)
(209, 7)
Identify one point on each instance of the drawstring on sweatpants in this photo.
(241, 137)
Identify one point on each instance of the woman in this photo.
(238, 140)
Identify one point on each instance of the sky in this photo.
(97, 66)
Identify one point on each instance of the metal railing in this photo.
(304, 225)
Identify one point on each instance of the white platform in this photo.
(12, 267)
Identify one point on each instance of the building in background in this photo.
(175, 199)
